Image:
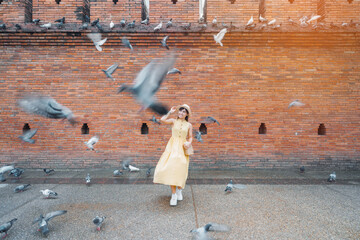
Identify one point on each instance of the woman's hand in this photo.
(187, 145)
(172, 110)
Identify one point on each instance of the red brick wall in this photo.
(251, 80)
(341, 11)
(12, 11)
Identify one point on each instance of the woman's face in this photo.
(182, 113)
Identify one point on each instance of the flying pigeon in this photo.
(169, 23)
(96, 38)
(198, 136)
(26, 137)
(61, 20)
(158, 27)
(313, 18)
(47, 107)
(4, 228)
(131, 25)
(112, 25)
(117, 173)
(146, 21)
(110, 70)
(202, 232)
(5, 169)
(148, 172)
(47, 25)
(90, 144)
(302, 169)
(210, 120)
(153, 119)
(48, 193)
(250, 22)
(163, 42)
(47, 171)
(332, 177)
(123, 23)
(95, 22)
(98, 221)
(173, 71)
(21, 188)
(126, 43)
(218, 38)
(147, 83)
(16, 172)
(43, 221)
(272, 22)
(88, 179)
(296, 103)
(214, 21)
(261, 19)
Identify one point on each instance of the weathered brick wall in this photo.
(182, 12)
(249, 81)
(342, 12)
(49, 10)
(12, 11)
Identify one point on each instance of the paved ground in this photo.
(274, 205)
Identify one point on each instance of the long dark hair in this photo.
(187, 117)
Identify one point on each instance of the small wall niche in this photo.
(26, 127)
(174, 1)
(144, 129)
(57, 1)
(115, 1)
(322, 129)
(85, 129)
(262, 128)
(203, 129)
(291, 1)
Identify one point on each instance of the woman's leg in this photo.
(173, 189)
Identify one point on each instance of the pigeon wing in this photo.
(218, 227)
(51, 215)
(112, 68)
(220, 35)
(95, 37)
(30, 133)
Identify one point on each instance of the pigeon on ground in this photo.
(198, 136)
(47, 107)
(95, 22)
(296, 103)
(61, 20)
(173, 71)
(48, 193)
(26, 137)
(4, 228)
(84, 26)
(47, 171)
(110, 71)
(86, 18)
(272, 22)
(291, 21)
(158, 27)
(96, 38)
(332, 177)
(261, 19)
(123, 23)
(302, 169)
(112, 25)
(16, 172)
(169, 23)
(163, 42)
(250, 22)
(133, 169)
(117, 173)
(88, 179)
(21, 188)
(36, 21)
(2, 178)
(43, 221)
(99, 26)
(313, 18)
(147, 83)
(209, 120)
(187, 26)
(202, 232)
(126, 166)
(219, 37)
(153, 119)
(98, 221)
(214, 21)
(47, 25)
(90, 144)
(59, 25)
(18, 27)
(148, 172)
(146, 21)
(126, 43)
(131, 25)
(230, 186)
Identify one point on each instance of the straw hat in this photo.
(186, 107)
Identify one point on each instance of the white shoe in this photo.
(179, 194)
(173, 200)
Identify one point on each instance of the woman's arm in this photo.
(164, 119)
(189, 141)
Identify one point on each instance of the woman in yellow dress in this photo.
(172, 168)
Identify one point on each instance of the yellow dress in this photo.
(173, 166)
